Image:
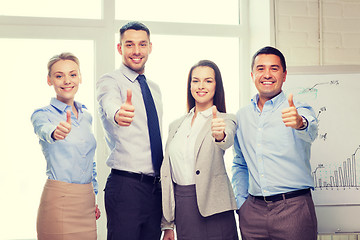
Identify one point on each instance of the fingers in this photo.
(217, 126)
(290, 115)
(97, 212)
(68, 116)
(62, 130)
(128, 97)
(291, 100)
(124, 116)
(214, 111)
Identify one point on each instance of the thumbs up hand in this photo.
(124, 116)
(63, 129)
(290, 115)
(217, 126)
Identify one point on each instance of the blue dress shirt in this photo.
(129, 146)
(72, 159)
(271, 158)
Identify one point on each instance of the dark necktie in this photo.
(153, 125)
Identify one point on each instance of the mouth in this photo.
(136, 60)
(201, 93)
(67, 89)
(267, 82)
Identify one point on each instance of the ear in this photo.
(150, 47)
(49, 81)
(252, 77)
(285, 74)
(119, 48)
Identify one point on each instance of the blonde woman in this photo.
(67, 207)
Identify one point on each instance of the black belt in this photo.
(138, 176)
(282, 196)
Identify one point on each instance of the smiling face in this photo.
(65, 77)
(268, 76)
(135, 48)
(202, 87)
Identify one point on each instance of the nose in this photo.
(267, 74)
(67, 80)
(136, 49)
(201, 85)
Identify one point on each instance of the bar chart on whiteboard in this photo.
(335, 154)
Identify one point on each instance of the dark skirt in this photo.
(190, 225)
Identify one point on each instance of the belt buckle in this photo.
(267, 200)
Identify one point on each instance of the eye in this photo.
(73, 75)
(58, 76)
(143, 44)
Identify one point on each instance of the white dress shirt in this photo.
(129, 146)
(181, 148)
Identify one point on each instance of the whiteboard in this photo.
(334, 93)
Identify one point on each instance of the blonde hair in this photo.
(62, 56)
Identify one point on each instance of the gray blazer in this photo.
(213, 188)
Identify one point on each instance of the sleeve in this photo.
(43, 127)
(94, 181)
(166, 225)
(108, 96)
(240, 177)
(310, 133)
(230, 128)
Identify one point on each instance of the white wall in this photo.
(318, 32)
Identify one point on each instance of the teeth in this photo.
(267, 83)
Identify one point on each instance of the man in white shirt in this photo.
(132, 192)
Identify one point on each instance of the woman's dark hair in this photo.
(219, 97)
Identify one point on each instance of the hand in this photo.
(97, 212)
(168, 234)
(124, 116)
(290, 116)
(217, 126)
(63, 129)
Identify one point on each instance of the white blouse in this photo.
(181, 148)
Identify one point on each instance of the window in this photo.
(88, 9)
(185, 11)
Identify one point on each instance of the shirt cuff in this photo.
(305, 123)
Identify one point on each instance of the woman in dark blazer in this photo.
(197, 195)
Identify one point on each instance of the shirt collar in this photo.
(206, 113)
(63, 107)
(128, 73)
(275, 101)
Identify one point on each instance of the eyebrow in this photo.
(263, 65)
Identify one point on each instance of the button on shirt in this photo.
(72, 159)
(129, 146)
(182, 147)
(271, 158)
